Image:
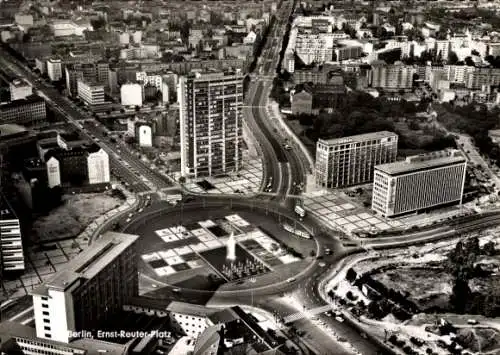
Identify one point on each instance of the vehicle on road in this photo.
(322, 264)
(339, 319)
(288, 147)
(328, 251)
(291, 279)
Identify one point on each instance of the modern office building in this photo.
(90, 93)
(11, 244)
(28, 111)
(350, 160)
(90, 289)
(54, 69)
(210, 107)
(20, 89)
(420, 182)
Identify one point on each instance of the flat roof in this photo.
(191, 309)
(422, 162)
(9, 129)
(358, 138)
(90, 262)
(19, 83)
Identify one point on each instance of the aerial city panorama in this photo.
(224, 177)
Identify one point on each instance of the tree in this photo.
(182, 180)
(452, 58)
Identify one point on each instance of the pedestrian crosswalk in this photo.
(307, 313)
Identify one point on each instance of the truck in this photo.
(300, 211)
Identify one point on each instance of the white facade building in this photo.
(90, 93)
(54, 69)
(420, 182)
(131, 95)
(11, 244)
(98, 167)
(76, 298)
(144, 135)
(20, 89)
(53, 172)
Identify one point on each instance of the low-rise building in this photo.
(28, 111)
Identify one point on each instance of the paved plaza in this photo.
(197, 240)
(340, 212)
(248, 180)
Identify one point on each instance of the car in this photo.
(288, 147)
(322, 264)
(176, 290)
(339, 319)
(154, 285)
(128, 220)
(140, 210)
(130, 215)
(291, 279)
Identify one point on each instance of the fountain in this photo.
(231, 248)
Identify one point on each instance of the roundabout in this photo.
(183, 250)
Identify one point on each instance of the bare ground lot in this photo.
(428, 287)
(73, 216)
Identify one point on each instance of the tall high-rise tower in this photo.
(210, 106)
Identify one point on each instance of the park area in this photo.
(71, 218)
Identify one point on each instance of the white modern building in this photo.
(98, 167)
(53, 172)
(210, 106)
(90, 288)
(131, 94)
(419, 182)
(20, 89)
(144, 135)
(11, 244)
(90, 93)
(54, 69)
(351, 160)
(190, 319)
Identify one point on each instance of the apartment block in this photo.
(90, 289)
(419, 182)
(351, 160)
(210, 107)
(392, 76)
(11, 244)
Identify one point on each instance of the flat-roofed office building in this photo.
(419, 182)
(211, 121)
(91, 288)
(11, 244)
(350, 160)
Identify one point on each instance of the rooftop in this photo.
(19, 83)
(358, 138)
(190, 309)
(90, 262)
(423, 162)
(11, 129)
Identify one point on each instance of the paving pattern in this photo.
(208, 235)
(248, 180)
(340, 212)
